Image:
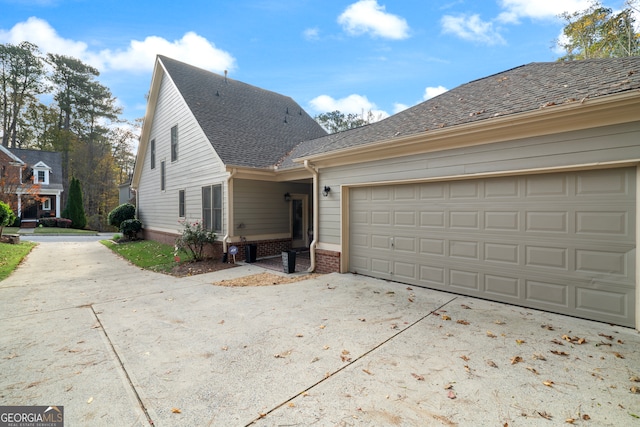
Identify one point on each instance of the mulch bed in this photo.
(205, 266)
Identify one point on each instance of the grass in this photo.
(145, 254)
(11, 256)
(52, 230)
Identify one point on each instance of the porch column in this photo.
(58, 205)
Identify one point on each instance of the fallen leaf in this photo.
(491, 334)
(326, 347)
(322, 326)
(292, 405)
(548, 383)
(448, 386)
(410, 299)
(635, 379)
(225, 348)
(603, 343)
(545, 415)
(609, 337)
(90, 400)
(635, 389)
(465, 358)
(418, 377)
(570, 420)
(520, 342)
(462, 322)
(586, 417)
(557, 342)
(529, 368)
(362, 319)
(299, 335)
(559, 353)
(221, 322)
(409, 288)
(345, 358)
(451, 394)
(620, 342)
(176, 411)
(499, 322)
(618, 355)
(547, 327)
(538, 356)
(516, 359)
(261, 415)
(466, 307)
(445, 317)
(467, 368)
(367, 372)
(492, 363)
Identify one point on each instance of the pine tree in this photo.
(74, 209)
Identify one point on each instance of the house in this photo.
(520, 187)
(34, 178)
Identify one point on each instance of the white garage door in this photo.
(562, 242)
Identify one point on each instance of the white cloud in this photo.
(311, 34)
(432, 92)
(397, 107)
(139, 56)
(471, 28)
(367, 16)
(352, 104)
(539, 9)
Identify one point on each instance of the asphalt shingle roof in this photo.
(246, 125)
(49, 158)
(525, 88)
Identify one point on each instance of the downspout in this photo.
(316, 220)
(228, 213)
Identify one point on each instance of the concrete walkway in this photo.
(119, 346)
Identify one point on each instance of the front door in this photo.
(299, 220)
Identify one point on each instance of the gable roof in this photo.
(247, 126)
(51, 159)
(527, 88)
(12, 157)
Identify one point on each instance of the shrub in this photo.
(75, 208)
(17, 222)
(48, 222)
(6, 216)
(130, 228)
(121, 213)
(63, 223)
(194, 238)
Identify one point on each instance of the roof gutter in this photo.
(316, 220)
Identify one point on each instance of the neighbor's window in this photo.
(41, 176)
(212, 207)
(46, 204)
(174, 143)
(181, 203)
(153, 154)
(162, 177)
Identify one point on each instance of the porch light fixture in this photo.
(287, 197)
(326, 191)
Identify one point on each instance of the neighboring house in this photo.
(520, 187)
(35, 177)
(125, 194)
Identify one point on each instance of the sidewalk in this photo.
(116, 345)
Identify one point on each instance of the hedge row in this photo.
(55, 222)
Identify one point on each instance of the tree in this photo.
(599, 33)
(336, 121)
(21, 82)
(75, 209)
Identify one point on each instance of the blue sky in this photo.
(355, 56)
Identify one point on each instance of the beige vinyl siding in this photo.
(605, 144)
(260, 206)
(197, 165)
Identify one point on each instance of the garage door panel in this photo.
(562, 242)
(501, 286)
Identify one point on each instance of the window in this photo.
(41, 176)
(41, 173)
(174, 143)
(46, 204)
(162, 182)
(153, 154)
(212, 207)
(181, 203)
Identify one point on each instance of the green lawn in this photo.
(146, 254)
(11, 256)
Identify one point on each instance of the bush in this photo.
(121, 213)
(6, 216)
(63, 223)
(75, 208)
(193, 240)
(17, 222)
(130, 228)
(48, 222)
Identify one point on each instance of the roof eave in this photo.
(600, 111)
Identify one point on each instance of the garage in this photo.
(560, 242)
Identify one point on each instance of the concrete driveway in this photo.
(116, 345)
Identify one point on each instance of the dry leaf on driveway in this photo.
(417, 376)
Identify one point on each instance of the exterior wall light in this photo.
(326, 191)
(287, 197)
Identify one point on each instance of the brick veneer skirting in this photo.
(327, 261)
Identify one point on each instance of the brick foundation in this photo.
(327, 261)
